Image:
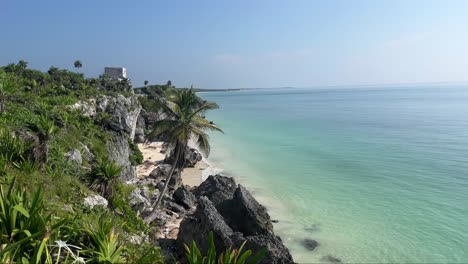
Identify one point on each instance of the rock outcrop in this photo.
(218, 189)
(244, 214)
(119, 151)
(197, 227)
(234, 216)
(124, 112)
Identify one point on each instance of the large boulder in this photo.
(218, 189)
(244, 214)
(197, 227)
(184, 197)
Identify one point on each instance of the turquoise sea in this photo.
(375, 175)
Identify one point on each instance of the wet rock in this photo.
(217, 188)
(184, 197)
(310, 244)
(74, 156)
(95, 201)
(330, 258)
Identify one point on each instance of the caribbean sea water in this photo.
(373, 174)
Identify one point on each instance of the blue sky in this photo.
(244, 43)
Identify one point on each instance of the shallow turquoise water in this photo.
(374, 175)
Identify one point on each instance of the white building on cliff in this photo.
(115, 72)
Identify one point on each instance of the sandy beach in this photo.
(152, 157)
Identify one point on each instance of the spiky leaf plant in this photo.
(106, 241)
(229, 256)
(104, 177)
(25, 228)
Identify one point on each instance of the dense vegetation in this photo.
(37, 128)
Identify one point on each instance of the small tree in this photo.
(22, 64)
(169, 83)
(78, 64)
(146, 82)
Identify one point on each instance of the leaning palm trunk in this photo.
(154, 213)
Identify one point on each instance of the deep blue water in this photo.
(374, 175)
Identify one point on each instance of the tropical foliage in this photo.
(229, 256)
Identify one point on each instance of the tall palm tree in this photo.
(78, 64)
(184, 121)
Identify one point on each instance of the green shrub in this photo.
(144, 254)
(136, 157)
(25, 228)
(230, 256)
(11, 147)
(106, 241)
(105, 176)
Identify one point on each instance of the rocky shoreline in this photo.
(192, 207)
(217, 205)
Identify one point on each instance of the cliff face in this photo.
(120, 115)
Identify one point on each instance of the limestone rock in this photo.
(74, 155)
(184, 197)
(119, 151)
(95, 200)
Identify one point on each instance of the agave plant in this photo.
(25, 229)
(229, 256)
(11, 148)
(106, 241)
(105, 176)
(45, 128)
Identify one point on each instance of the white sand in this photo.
(152, 157)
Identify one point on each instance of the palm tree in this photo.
(184, 121)
(146, 82)
(78, 64)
